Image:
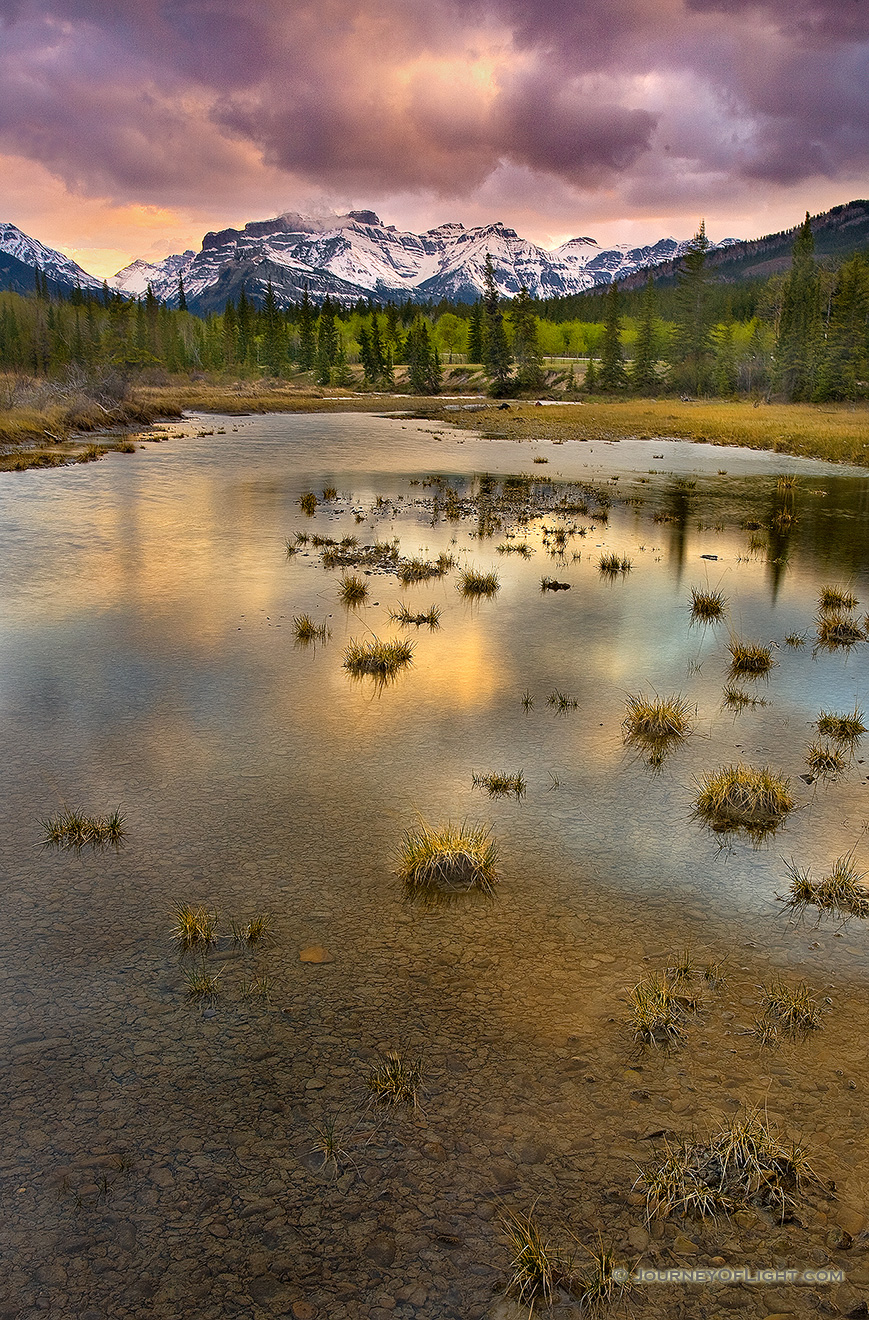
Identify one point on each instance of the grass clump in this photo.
(835, 598)
(612, 565)
(742, 797)
(194, 928)
(76, 830)
(791, 1009)
(749, 659)
(552, 584)
(657, 724)
(308, 503)
(431, 617)
(838, 632)
(562, 701)
(306, 630)
(439, 864)
(795, 640)
(379, 659)
(255, 931)
(474, 583)
(354, 589)
(848, 728)
(842, 893)
(539, 1270)
(707, 606)
(500, 783)
(521, 548)
(396, 1080)
(657, 1012)
(824, 761)
(735, 699)
(745, 1162)
(203, 986)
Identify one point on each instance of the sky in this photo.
(129, 128)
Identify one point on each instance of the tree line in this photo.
(802, 336)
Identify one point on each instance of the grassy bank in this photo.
(838, 433)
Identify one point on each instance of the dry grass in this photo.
(836, 598)
(842, 893)
(656, 725)
(735, 699)
(836, 632)
(612, 565)
(353, 589)
(792, 1010)
(707, 606)
(501, 784)
(825, 762)
(308, 503)
(76, 830)
(306, 630)
(562, 701)
(396, 1080)
(749, 659)
(431, 617)
(472, 582)
(419, 570)
(194, 928)
(847, 728)
(378, 659)
(657, 1012)
(445, 862)
(742, 797)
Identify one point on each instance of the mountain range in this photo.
(357, 256)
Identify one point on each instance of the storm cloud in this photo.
(182, 102)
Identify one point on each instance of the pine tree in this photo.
(526, 344)
(692, 342)
(643, 373)
(376, 348)
(475, 333)
(844, 368)
(182, 296)
(327, 342)
(496, 350)
(612, 367)
(799, 325)
(590, 381)
(307, 334)
(274, 342)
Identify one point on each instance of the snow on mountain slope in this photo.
(53, 264)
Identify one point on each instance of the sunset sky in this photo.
(131, 127)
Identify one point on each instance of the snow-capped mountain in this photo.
(59, 269)
(357, 256)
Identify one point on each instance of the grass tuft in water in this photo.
(306, 630)
(707, 606)
(824, 761)
(474, 583)
(841, 893)
(76, 830)
(431, 617)
(308, 503)
(657, 724)
(562, 701)
(835, 598)
(500, 783)
(354, 589)
(743, 797)
(377, 658)
(749, 659)
(537, 1268)
(521, 548)
(735, 699)
(440, 863)
(657, 1012)
(848, 728)
(744, 1163)
(838, 632)
(795, 640)
(203, 986)
(194, 928)
(612, 565)
(255, 931)
(396, 1080)
(792, 1009)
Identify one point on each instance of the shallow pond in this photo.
(148, 660)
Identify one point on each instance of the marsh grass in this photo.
(500, 783)
(537, 1268)
(836, 598)
(837, 632)
(418, 570)
(333, 1141)
(824, 761)
(430, 617)
(657, 724)
(552, 584)
(194, 928)
(657, 1012)
(472, 583)
(745, 1162)
(848, 728)
(439, 864)
(735, 699)
(257, 987)
(841, 893)
(308, 503)
(520, 548)
(707, 606)
(255, 931)
(329, 493)
(562, 701)
(613, 566)
(741, 797)
(749, 659)
(203, 986)
(791, 1009)
(795, 640)
(378, 658)
(306, 630)
(527, 701)
(76, 830)
(353, 590)
(396, 1081)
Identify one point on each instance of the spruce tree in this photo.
(799, 325)
(475, 333)
(643, 373)
(612, 374)
(692, 333)
(496, 350)
(327, 342)
(307, 334)
(182, 296)
(526, 344)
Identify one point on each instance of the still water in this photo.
(148, 661)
